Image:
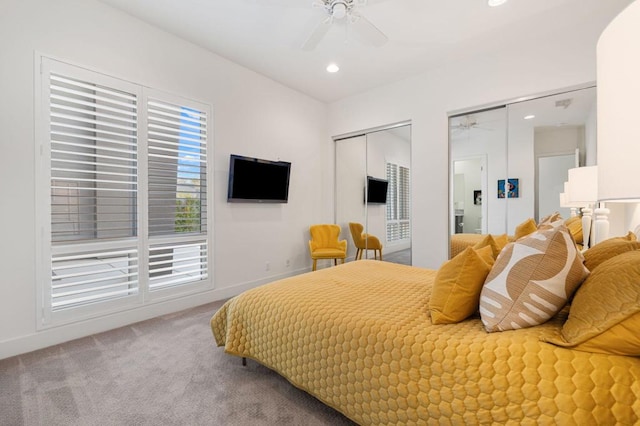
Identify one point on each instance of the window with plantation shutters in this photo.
(177, 170)
(94, 191)
(123, 189)
(398, 208)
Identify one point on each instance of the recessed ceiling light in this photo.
(529, 117)
(333, 68)
(494, 3)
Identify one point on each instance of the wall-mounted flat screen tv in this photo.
(376, 190)
(254, 180)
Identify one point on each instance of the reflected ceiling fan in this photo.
(344, 12)
(466, 123)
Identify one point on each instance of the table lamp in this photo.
(618, 90)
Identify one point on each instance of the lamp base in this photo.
(586, 227)
(601, 225)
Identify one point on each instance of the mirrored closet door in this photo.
(373, 184)
(508, 163)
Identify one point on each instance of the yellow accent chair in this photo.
(364, 241)
(325, 243)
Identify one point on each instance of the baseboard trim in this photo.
(64, 333)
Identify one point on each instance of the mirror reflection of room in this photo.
(478, 153)
(372, 158)
(518, 156)
(547, 137)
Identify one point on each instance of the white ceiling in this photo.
(266, 35)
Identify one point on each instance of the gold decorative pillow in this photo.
(486, 253)
(457, 285)
(629, 237)
(607, 249)
(490, 241)
(501, 241)
(574, 224)
(605, 313)
(527, 227)
(532, 279)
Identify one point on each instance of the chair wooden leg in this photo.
(380, 254)
(335, 262)
(315, 261)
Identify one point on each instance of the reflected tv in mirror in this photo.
(376, 190)
(255, 180)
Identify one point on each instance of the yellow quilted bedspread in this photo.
(459, 242)
(358, 337)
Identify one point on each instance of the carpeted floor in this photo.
(402, 256)
(164, 371)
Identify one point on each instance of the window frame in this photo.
(46, 316)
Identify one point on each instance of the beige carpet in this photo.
(165, 371)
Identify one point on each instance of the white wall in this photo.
(561, 60)
(252, 115)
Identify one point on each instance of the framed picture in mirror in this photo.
(512, 189)
(477, 197)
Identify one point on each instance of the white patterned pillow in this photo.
(532, 279)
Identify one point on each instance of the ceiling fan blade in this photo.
(367, 31)
(279, 3)
(318, 34)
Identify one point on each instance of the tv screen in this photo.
(253, 180)
(376, 190)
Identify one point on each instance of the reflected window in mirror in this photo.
(384, 155)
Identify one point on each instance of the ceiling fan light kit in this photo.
(347, 12)
(495, 3)
(339, 9)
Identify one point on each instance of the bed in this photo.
(359, 338)
(461, 241)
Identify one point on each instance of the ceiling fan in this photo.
(346, 12)
(466, 123)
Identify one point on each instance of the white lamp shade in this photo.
(564, 199)
(583, 185)
(618, 91)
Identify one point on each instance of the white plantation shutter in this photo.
(93, 188)
(177, 163)
(123, 190)
(177, 263)
(398, 208)
(403, 202)
(87, 277)
(393, 231)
